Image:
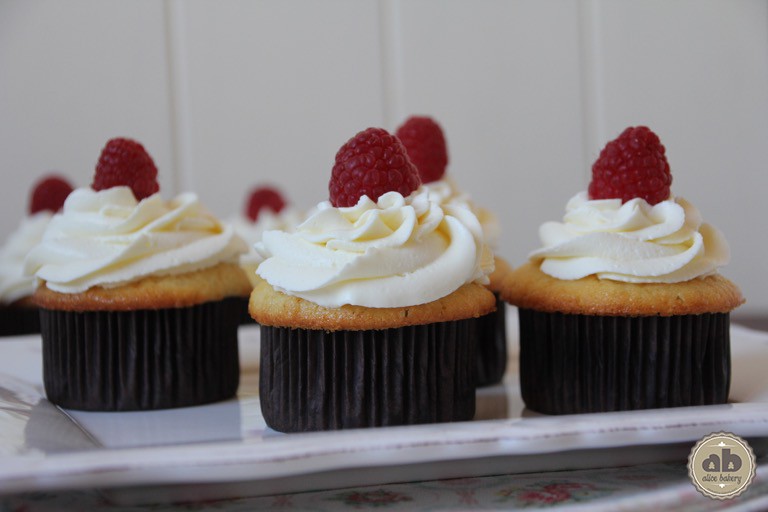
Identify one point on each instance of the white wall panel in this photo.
(72, 75)
(503, 80)
(696, 72)
(273, 89)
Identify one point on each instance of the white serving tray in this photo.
(225, 449)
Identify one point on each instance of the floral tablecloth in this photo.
(663, 486)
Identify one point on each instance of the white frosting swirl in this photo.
(392, 253)
(445, 191)
(632, 242)
(251, 232)
(14, 285)
(107, 238)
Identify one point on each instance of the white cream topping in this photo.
(14, 285)
(633, 242)
(446, 190)
(391, 253)
(251, 232)
(107, 238)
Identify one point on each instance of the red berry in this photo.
(263, 197)
(633, 165)
(371, 163)
(423, 139)
(125, 162)
(49, 193)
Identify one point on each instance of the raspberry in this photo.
(633, 165)
(49, 194)
(263, 197)
(423, 139)
(125, 162)
(371, 163)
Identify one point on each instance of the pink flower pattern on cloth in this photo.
(660, 486)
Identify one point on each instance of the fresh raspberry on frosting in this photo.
(423, 139)
(125, 162)
(633, 165)
(371, 163)
(49, 194)
(263, 197)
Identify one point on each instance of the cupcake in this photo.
(369, 309)
(265, 210)
(136, 294)
(623, 307)
(426, 146)
(18, 315)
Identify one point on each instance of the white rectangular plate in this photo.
(225, 449)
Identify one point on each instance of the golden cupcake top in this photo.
(270, 307)
(528, 287)
(211, 284)
(500, 270)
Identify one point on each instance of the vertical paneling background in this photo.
(229, 94)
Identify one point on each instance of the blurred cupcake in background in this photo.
(266, 209)
(425, 143)
(18, 315)
(427, 148)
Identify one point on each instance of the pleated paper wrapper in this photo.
(581, 363)
(492, 346)
(143, 359)
(320, 380)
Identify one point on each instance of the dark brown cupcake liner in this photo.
(243, 316)
(319, 380)
(141, 360)
(16, 321)
(492, 346)
(580, 363)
